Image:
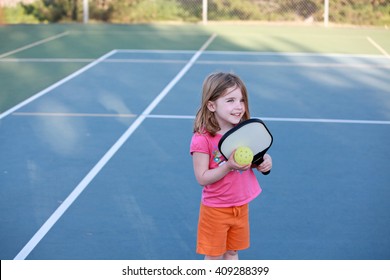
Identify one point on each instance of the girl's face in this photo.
(228, 109)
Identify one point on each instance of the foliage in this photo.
(53, 10)
(234, 10)
(147, 11)
(360, 12)
(101, 10)
(17, 15)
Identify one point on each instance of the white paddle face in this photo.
(251, 133)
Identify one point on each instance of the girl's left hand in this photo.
(266, 165)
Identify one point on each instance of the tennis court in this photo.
(96, 123)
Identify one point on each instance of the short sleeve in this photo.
(199, 143)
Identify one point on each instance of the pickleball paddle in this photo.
(252, 133)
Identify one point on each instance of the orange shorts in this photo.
(222, 229)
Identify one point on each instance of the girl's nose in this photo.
(239, 105)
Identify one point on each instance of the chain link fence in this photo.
(356, 12)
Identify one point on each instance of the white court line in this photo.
(339, 64)
(55, 114)
(46, 60)
(156, 51)
(296, 64)
(346, 121)
(35, 44)
(190, 117)
(244, 53)
(57, 84)
(376, 45)
(85, 60)
(256, 53)
(205, 62)
(108, 155)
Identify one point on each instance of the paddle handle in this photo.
(258, 162)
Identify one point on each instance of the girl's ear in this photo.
(211, 106)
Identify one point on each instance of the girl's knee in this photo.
(231, 255)
(232, 252)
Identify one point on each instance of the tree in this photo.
(53, 10)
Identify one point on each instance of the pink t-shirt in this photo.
(236, 188)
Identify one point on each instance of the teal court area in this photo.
(97, 165)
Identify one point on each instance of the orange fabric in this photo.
(222, 229)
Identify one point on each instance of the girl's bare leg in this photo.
(213, 257)
(231, 255)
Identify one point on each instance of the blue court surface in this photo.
(97, 166)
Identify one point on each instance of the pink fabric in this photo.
(236, 188)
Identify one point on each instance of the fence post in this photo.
(326, 13)
(85, 11)
(204, 11)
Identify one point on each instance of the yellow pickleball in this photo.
(243, 155)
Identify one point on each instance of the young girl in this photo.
(228, 187)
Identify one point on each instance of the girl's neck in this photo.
(225, 129)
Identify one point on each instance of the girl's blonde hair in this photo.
(214, 87)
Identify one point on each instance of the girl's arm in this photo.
(206, 176)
